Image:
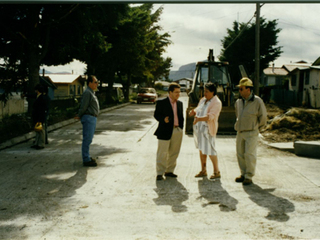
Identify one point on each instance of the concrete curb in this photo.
(30, 135)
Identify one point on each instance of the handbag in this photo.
(38, 127)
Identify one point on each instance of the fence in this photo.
(286, 97)
(309, 98)
(13, 106)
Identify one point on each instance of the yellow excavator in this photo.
(217, 73)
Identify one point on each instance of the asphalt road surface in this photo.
(48, 194)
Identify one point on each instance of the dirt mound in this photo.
(287, 125)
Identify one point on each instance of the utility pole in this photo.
(257, 51)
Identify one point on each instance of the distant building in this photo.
(274, 76)
(68, 85)
(185, 83)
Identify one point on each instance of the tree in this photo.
(141, 47)
(26, 37)
(239, 47)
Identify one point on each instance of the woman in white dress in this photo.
(205, 127)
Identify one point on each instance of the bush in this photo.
(14, 126)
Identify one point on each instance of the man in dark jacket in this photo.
(169, 114)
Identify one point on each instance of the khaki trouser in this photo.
(168, 152)
(247, 143)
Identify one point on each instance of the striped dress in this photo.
(202, 138)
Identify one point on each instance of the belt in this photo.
(176, 126)
(94, 115)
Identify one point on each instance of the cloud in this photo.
(195, 28)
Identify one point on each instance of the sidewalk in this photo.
(27, 136)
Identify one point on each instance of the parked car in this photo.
(147, 95)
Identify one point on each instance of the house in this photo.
(304, 79)
(68, 85)
(274, 76)
(46, 81)
(303, 83)
(185, 83)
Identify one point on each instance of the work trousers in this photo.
(168, 152)
(88, 128)
(247, 143)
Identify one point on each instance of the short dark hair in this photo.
(211, 87)
(173, 86)
(90, 79)
(41, 88)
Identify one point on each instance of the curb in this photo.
(30, 135)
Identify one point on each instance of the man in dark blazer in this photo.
(169, 114)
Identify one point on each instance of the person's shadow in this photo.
(278, 207)
(214, 193)
(171, 192)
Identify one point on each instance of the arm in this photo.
(159, 113)
(86, 97)
(262, 115)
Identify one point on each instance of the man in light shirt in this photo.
(251, 116)
(169, 114)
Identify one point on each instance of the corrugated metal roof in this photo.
(275, 71)
(63, 78)
(291, 67)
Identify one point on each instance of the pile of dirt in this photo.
(288, 125)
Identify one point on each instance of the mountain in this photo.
(185, 71)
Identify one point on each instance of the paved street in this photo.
(48, 194)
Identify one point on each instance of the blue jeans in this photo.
(88, 127)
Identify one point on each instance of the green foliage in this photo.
(114, 40)
(239, 47)
(158, 86)
(13, 126)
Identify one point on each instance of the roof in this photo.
(48, 82)
(316, 62)
(63, 78)
(275, 71)
(187, 79)
(291, 67)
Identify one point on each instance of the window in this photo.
(307, 77)
(294, 80)
(72, 89)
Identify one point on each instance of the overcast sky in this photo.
(194, 28)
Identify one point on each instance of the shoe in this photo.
(170, 174)
(34, 146)
(240, 179)
(159, 177)
(247, 181)
(201, 174)
(215, 175)
(39, 148)
(93, 159)
(90, 164)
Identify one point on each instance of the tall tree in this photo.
(239, 47)
(142, 45)
(26, 37)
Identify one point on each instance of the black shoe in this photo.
(247, 181)
(159, 177)
(34, 146)
(170, 174)
(90, 164)
(39, 148)
(240, 179)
